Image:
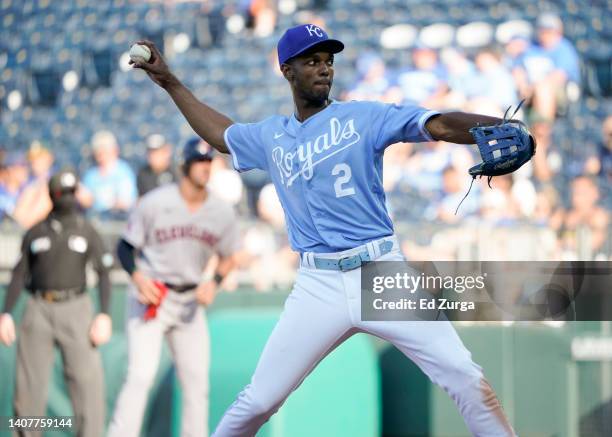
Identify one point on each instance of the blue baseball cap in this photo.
(197, 149)
(298, 39)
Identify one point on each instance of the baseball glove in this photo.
(503, 147)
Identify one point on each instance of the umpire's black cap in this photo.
(64, 181)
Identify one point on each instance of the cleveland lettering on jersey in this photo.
(339, 137)
(186, 232)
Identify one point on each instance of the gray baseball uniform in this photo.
(174, 245)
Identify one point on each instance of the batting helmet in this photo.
(196, 149)
(63, 182)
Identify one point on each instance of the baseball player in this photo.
(54, 254)
(171, 235)
(325, 161)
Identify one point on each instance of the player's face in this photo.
(199, 173)
(311, 76)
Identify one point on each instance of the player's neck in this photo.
(192, 195)
(305, 109)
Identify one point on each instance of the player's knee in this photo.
(258, 405)
(461, 373)
(142, 379)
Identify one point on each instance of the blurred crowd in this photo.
(425, 183)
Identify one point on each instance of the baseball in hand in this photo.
(140, 53)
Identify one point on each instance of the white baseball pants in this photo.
(322, 311)
(183, 323)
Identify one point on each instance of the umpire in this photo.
(54, 255)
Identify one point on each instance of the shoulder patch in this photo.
(77, 243)
(41, 244)
(107, 260)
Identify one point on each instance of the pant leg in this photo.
(82, 364)
(436, 348)
(190, 346)
(34, 362)
(315, 320)
(144, 351)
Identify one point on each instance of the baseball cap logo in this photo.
(314, 30)
(67, 180)
(203, 148)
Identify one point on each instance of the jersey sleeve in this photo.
(244, 142)
(135, 231)
(402, 123)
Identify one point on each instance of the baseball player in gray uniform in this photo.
(171, 235)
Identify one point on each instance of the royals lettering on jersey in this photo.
(328, 170)
(311, 153)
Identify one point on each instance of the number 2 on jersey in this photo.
(343, 171)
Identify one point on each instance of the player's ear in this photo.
(287, 70)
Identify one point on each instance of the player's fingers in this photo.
(7, 335)
(150, 44)
(155, 53)
(149, 297)
(153, 294)
(142, 298)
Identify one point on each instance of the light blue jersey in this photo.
(328, 170)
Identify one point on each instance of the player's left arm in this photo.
(102, 326)
(224, 267)
(454, 127)
(102, 261)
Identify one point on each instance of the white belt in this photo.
(349, 259)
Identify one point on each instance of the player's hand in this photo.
(156, 68)
(7, 329)
(148, 293)
(206, 292)
(101, 329)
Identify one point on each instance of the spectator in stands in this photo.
(496, 82)
(544, 165)
(565, 61)
(605, 152)
(254, 181)
(463, 79)
(109, 188)
(210, 24)
(559, 49)
(586, 223)
(373, 81)
(266, 252)
(13, 179)
(548, 212)
(34, 203)
(426, 82)
(454, 189)
(424, 168)
(547, 66)
(594, 158)
(224, 181)
(261, 17)
(395, 160)
(499, 206)
(159, 169)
